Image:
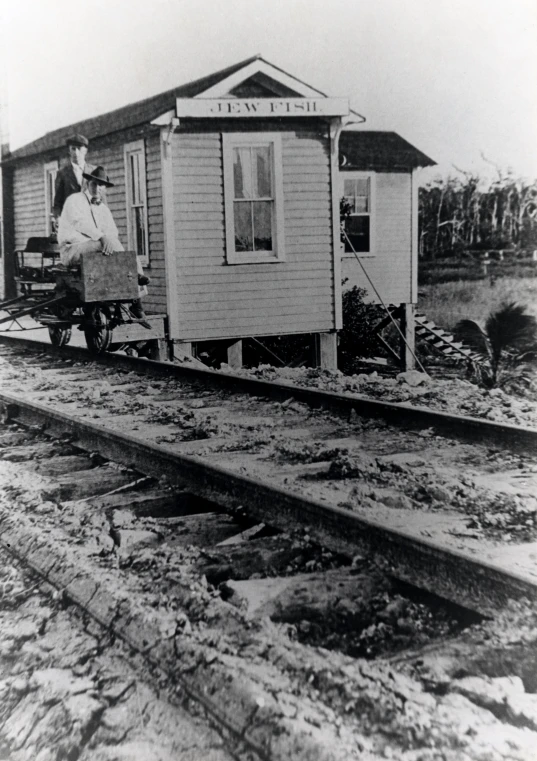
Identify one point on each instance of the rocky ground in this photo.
(451, 395)
(69, 688)
(69, 691)
(467, 696)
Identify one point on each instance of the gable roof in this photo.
(372, 150)
(144, 111)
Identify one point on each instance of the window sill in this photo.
(255, 260)
(359, 254)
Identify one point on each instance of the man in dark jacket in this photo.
(70, 179)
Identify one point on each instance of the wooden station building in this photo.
(229, 188)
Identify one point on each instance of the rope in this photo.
(379, 297)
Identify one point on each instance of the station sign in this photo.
(203, 108)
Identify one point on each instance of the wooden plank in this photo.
(319, 181)
(201, 184)
(198, 171)
(336, 126)
(193, 264)
(299, 205)
(199, 202)
(213, 244)
(170, 242)
(209, 208)
(214, 260)
(297, 215)
(306, 168)
(195, 162)
(31, 200)
(254, 316)
(263, 300)
(198, 213)
(28, 192)
(266, 288)
(315, 160)
(214, 235)
(215, 276)
(199, 224)
(414, 239)
(195, 140)
(290, 188)
(304, 141)
(198, 193)
(202, 148)
(300, 226)
(154, 184)
(193, 330)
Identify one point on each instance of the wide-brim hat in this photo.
(99, 176)
(78, 140)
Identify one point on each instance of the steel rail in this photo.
(459, 427)
(457, 577)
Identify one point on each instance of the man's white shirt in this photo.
(79, 171)
(82, 221)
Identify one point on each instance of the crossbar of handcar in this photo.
(36, 307)
(10, 302)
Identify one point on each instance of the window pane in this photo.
(263, 225)
(243, 227)
(361, 205)
(139, 232)
(361, 187)
(242, 172)
(263, 173)
(358, 230)
(135, 177)
(357, 193)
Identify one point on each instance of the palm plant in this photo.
(508, 344)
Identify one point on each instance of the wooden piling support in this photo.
(326, 350)
(408, 346)
(234, 354)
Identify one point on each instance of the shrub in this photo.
(357, 339)
(508, 343)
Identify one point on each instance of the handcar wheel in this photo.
(97, 329)
(59, 335)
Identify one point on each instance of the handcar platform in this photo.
(94, 296)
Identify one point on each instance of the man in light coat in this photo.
(86, 225)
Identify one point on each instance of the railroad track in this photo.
(261, 467)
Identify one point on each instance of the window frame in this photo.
(51, 170)
(230, 141)
(129, 149)
(371, 176)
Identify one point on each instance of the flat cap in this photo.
(78, 140)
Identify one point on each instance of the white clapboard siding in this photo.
(217, 300)
(29, 202)
(156, 300)
(112, 158)
(390, 267)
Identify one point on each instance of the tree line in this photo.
(462, 213)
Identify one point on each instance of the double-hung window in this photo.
(51, 170)
(359, 195)
(253, 192)
(136, 191)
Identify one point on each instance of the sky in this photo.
(456, 78)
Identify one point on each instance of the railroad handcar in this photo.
(229, 189)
